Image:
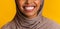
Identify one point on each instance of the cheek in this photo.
(37, 1)
(20, 3)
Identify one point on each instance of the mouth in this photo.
(29, 8)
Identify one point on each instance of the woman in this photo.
(29, 16)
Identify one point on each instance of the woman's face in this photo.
(29, 7)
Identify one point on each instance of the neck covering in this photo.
(26, 22)
(39, 22)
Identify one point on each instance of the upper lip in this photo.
(29, 5)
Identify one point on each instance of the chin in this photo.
(29, 14)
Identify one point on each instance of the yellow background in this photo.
(51, 10)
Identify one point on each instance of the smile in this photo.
(28, 8)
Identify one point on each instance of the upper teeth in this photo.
(29, 8)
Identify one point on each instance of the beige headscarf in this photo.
(39, 22)
(26, 22)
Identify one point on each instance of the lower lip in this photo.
(28, 10)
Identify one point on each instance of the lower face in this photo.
(29, 7)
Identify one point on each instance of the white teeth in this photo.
(29, 8)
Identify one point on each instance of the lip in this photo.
(28, 6)
(28, 9)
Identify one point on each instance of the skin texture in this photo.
(29, 14)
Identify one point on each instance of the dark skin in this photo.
(29, 7)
